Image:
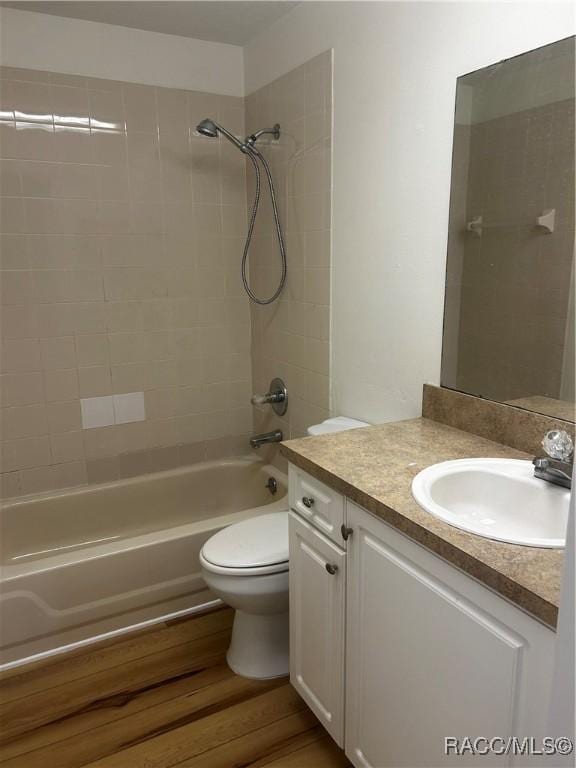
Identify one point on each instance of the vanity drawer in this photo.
(320, 505)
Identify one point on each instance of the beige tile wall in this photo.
(291, 337)
(120, 239)
(457, 240)
(515, 279)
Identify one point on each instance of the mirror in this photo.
(509, 309)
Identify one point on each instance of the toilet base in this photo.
(259, 647)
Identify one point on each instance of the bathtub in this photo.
(85, 562)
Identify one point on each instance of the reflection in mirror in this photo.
(509, 312)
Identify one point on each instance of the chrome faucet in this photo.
(266, 437)
(556, 467)
(277, 397)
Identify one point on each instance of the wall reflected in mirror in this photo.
(509, 311)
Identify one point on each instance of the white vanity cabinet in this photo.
(431, 653)
(317, 631)
(409, 648)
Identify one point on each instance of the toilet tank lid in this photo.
(336, 424)
(258, 541)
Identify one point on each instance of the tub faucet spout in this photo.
(266, 437)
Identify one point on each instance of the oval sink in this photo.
(495, 498)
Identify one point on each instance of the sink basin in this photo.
(495, 498)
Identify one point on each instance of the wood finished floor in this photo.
(158, 698)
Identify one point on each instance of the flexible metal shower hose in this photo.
(255, 155)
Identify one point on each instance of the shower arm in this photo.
(249, 142)
(253, 138)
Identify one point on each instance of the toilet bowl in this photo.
(246, 565)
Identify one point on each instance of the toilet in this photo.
(246, 565)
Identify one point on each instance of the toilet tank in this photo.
(336, 424)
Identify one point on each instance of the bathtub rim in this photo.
(31, 567)
(91, 488)
(13, 571)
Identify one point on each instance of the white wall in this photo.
(395, 70)
(72, 46)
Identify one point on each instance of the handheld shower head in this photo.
(211, 129)
(208, 128)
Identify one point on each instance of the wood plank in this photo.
(283, 736)
(323, 753)
(202, 613)
(113, 708)
(34, 666)
(290, 745)
(114, 736)
(159, 697)
(64, 700)
(208, 733)
(88, 661)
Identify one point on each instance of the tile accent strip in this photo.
(112, 409)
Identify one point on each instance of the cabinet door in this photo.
(317, 624)
(317, 503)
(422, 662)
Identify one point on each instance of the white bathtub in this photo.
(84, 562)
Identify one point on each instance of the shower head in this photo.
(210, 128)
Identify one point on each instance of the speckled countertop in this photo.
(374, 467)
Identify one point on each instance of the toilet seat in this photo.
(263, 570)
(254, 547)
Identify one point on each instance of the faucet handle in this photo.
(558, 444)
(262, 399)
(277, 397)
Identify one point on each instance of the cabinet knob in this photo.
(346, 532)
(331, 568)
(308, 501)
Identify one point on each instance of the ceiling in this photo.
(218, 21)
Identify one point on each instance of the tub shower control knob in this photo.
(308, 501)
(277, 397)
